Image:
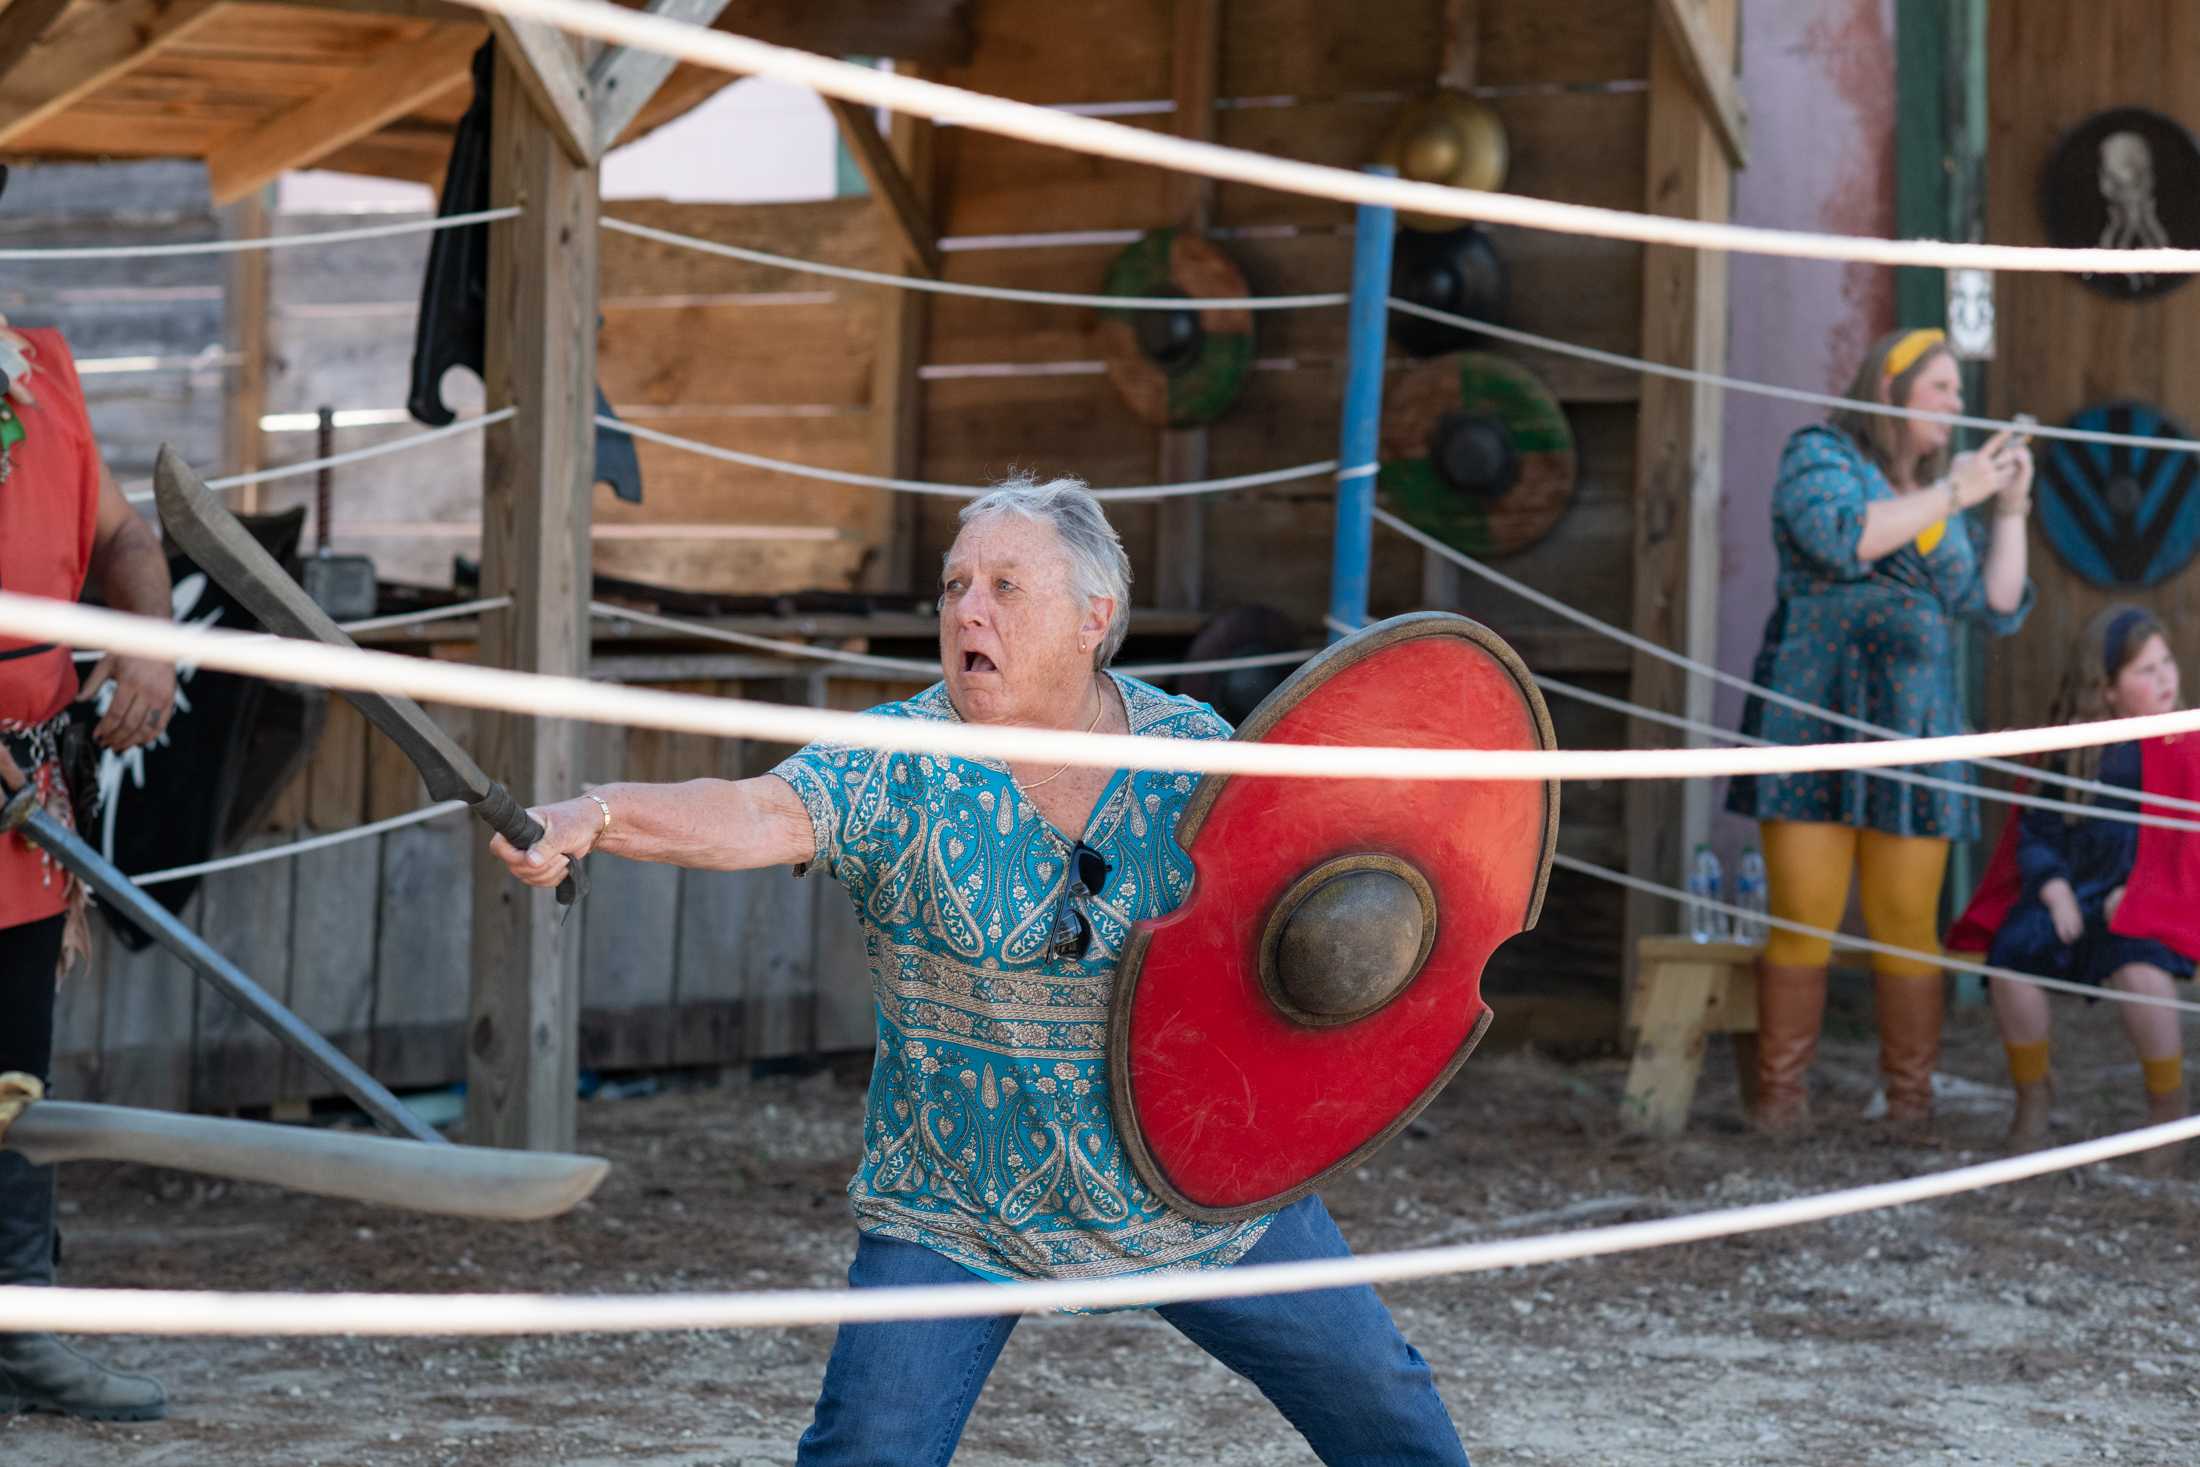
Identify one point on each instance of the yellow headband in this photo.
(1905, 353)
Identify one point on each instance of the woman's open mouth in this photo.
(978, 662)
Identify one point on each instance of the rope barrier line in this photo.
(956, 106)
(1410, 308)
(1886, 949)
(959, 491)
(181, 1312)
(983, 292)
(258, 242)
(421, 618)
(1428, 313)
(1840, 720)
(382, 623)
(300, 847)
(911, 666)
(348, 456)
(1899, 776)
(40, 619)
(1785, 394)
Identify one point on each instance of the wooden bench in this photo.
(1686, 991)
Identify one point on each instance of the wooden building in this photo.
(2061, 345)
(1617, 103)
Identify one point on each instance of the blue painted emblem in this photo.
(2118, 515)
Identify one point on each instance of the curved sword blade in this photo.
(455, 1181)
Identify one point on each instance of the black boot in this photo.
(39, 1372)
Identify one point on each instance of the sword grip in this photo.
(508, 818)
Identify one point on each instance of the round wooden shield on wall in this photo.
(1458, 272)
(2125, 179)
(2120, 516)
(1476, 452)
(1176, 369)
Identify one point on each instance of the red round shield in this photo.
(1323, 979)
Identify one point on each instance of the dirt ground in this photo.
(2051, 1322)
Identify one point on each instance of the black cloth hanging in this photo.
(453, 329)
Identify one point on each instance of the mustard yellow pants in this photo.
(1807, 869)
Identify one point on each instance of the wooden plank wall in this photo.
(735, 355)
(1008, 385)
(165, 310)
(746, 357)
(734, 966)
(2060, 345)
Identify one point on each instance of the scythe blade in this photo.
(455, 1181)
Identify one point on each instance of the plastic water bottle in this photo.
(1705, 886)
(1749, 895)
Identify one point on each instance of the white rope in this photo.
(260, 242)
(1786, 394)
(179, 1312)
(982, 292)
(348, 456)
(300, 847)
(1700, 669)
(39, 619)
(959, 491)
(909, 666)
(1899, 776)
(1216, 664)
(957, 106)
(421, 618)
(382, 623)
(901, 666)
(1886, 949)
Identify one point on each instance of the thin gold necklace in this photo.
(1057, 774)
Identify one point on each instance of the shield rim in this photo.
(1377, 637)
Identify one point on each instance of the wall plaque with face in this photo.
(2125, 179)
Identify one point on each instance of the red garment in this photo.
(49, 508)
(2165, 875)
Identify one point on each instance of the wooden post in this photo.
(244, 331)
(897, 393)
(1677, 460)
(1462, 56)
(1180, 541)
(522, 1034)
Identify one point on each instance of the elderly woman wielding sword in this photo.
(995, 900)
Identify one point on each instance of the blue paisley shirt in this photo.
(1874, 641)
(989, 1136)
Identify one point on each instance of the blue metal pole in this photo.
(1363, 412)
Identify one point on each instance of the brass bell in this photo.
(1449, 138)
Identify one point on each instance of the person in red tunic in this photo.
(63, 523)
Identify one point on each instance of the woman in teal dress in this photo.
(1877, 565)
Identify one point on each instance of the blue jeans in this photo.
(1331, 1361)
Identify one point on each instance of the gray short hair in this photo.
(1098, 564)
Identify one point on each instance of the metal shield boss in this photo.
(1323, 978)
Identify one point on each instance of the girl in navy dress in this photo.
(2074, 870)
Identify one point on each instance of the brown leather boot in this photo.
(1791, 1007)
(1910, 1011)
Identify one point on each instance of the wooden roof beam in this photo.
(554, 82)
(889, 185)
(396, 80)
(21, 26)
(1708, 77)
(90, 46)
(623, 78)
(445, 12)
